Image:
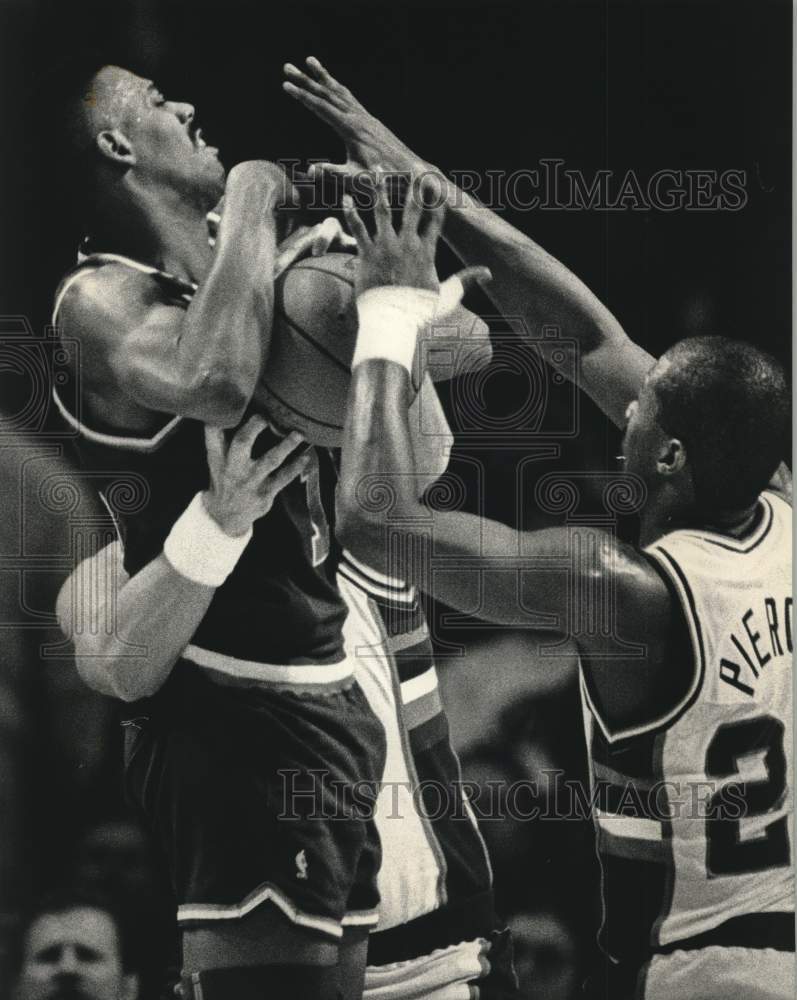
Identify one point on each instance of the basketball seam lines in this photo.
(299, 413)
(311, 340)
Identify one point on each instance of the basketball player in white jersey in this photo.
(687, 676)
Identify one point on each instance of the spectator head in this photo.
(72, 946)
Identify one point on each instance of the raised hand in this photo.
(404, 257)
(370, 146)
(396, 257)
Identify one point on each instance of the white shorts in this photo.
(720, 973)
(443, 975)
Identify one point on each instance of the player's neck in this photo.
(736, 523)
(164, 230)
(657, 522)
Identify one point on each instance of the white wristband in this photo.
(391, 316)
(389, 320)
(198, 548)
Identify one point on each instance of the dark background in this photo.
(470, 86)
(477, 87)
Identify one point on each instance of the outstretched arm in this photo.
(128, 632)
(478, 566)
(528, 283)
(470, 563)
(579, 582)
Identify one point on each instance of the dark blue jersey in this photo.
(280, 605)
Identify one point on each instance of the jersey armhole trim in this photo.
(117, 440)
(89, 265)
(676, 582)
(117, 529)
(770, 495)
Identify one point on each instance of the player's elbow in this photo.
(356, 533)
(110, 675)
(358, 526)
(219, 398)
(96, 674)
(112, 668)
(366, 507)
(129, 692)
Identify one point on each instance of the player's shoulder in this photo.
(643, 596)
(629, 566)
(617, 576)
(95, 299)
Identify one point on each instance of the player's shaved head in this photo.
(102, 100)
(99, 101)
(728, 403)
(128, 146)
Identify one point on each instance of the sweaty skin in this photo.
(579, 581)
(618, 374)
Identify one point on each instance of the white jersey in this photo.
(695, 826)
(434, 859)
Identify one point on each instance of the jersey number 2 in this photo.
(727, 853)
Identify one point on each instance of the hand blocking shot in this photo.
(697, 902)
(261, 620)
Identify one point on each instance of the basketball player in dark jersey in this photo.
(437, 924)
(436, 886)
(686, 678)
(172, 335)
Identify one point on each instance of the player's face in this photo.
(166, 141)
(74, 956)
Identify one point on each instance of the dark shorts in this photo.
(261, 795)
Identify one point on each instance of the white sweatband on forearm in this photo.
(391, 316)
(389, 319)
(198, 548)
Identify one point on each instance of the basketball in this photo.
(305, 383)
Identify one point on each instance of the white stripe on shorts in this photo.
(270, 673)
